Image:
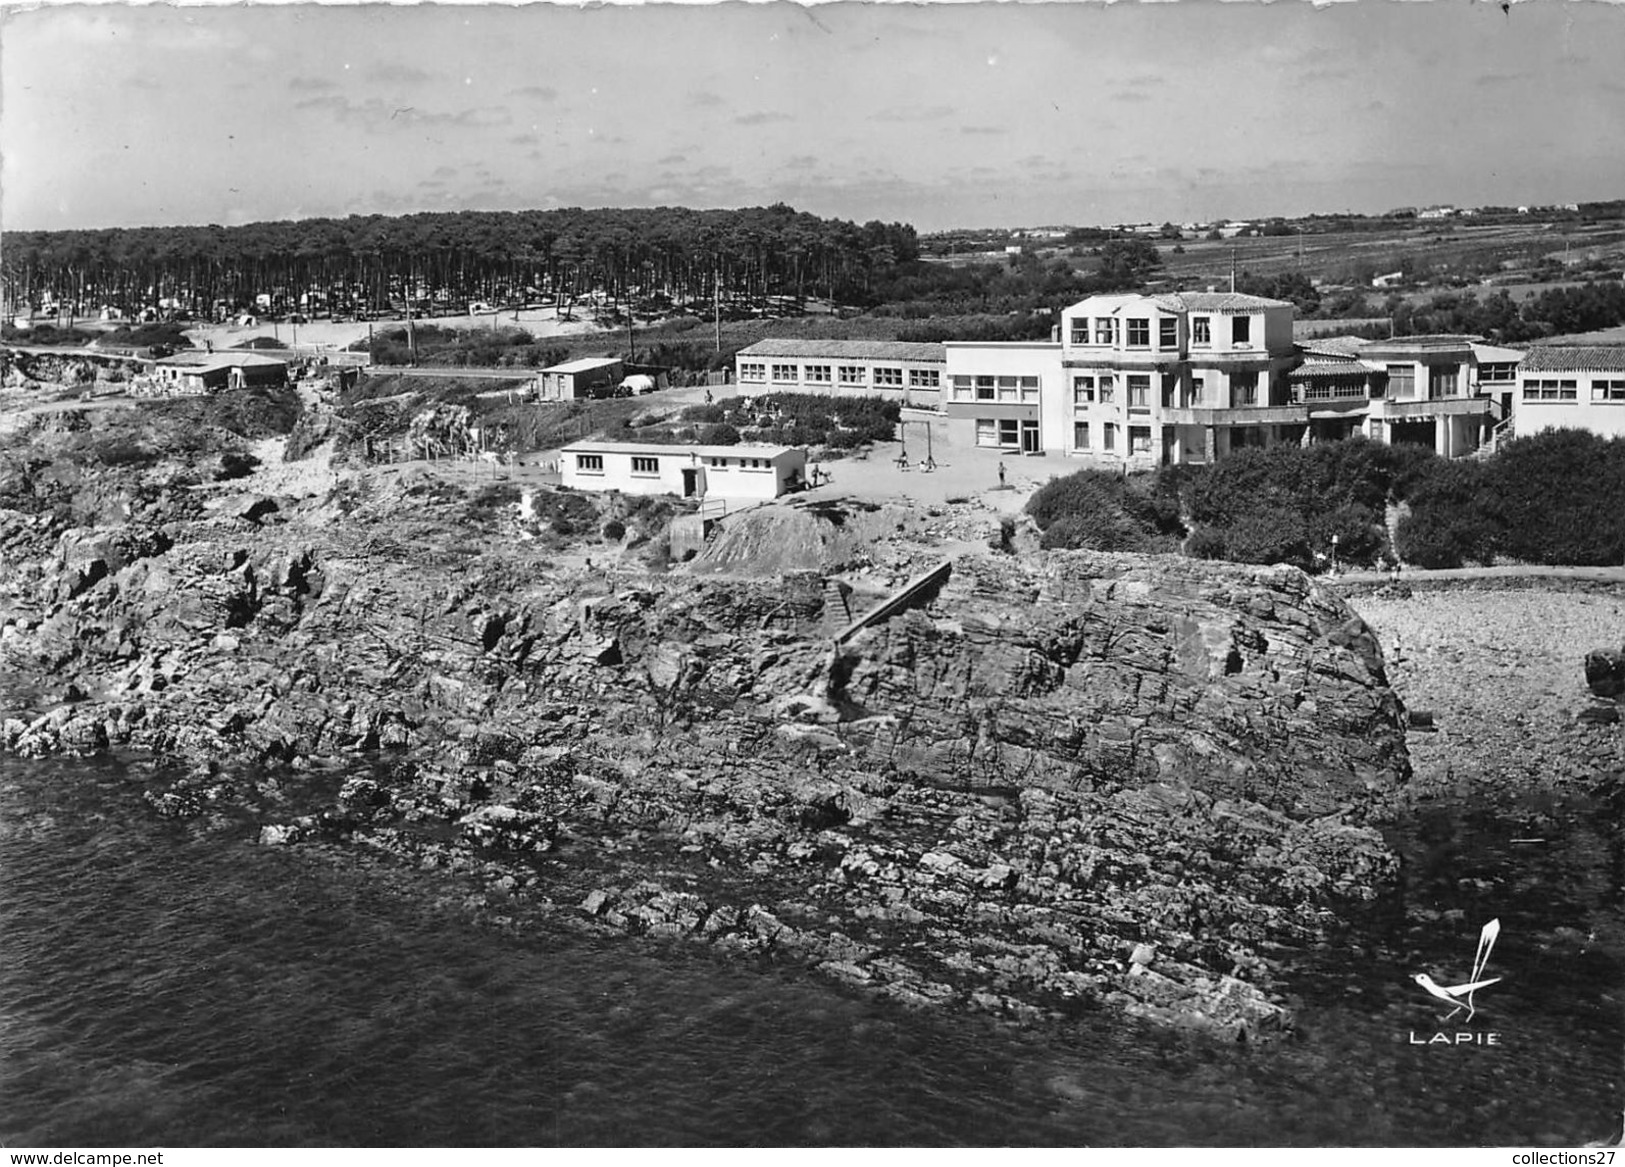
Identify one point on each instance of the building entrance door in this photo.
(691, 483)
(1029, 437)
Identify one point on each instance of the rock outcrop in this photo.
(1067, 781)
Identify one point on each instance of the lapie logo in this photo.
(1460, 996)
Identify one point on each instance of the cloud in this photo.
(310, 84)
(445, 172)
(915, 114)
(981, 129)
(801, 162)
(702, 98)
(762, 118)
(394, 71)
(538, 92)
(374, 115)
(671, 160)
(525, 139)
(1131, 95)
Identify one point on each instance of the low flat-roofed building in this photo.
(583, 377)
(689, 471)
(905, 371)
(204, 372)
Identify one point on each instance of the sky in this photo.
(940, 115)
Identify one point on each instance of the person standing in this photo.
(1001, 475)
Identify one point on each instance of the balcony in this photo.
(1243, 415)
(1440, 407)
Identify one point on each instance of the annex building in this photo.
(735, 472)
(904, 371)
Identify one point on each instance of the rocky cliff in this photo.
(1063, 781)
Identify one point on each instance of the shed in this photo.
(584, 377)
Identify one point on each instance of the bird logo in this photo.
(1461, 996)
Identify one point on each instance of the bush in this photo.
(1561, 497)
(1451, 518)
(1098, 510)
(235, 465)
(614, 531)
(720, 435)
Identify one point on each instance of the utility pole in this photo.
(1232, 267)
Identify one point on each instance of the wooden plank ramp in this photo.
(900, 599)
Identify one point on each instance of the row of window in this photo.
(1136, 331)
(1568, 389)
(885, 376)
(594, 464)
(1551, 389)
(1139, 437)
(989, 387)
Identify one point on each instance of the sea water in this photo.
(171, 982)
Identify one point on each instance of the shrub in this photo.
(1561, 497)
(1451, 516)
(614, 531)
(1100, 511)
(721, 435)
(235, 465)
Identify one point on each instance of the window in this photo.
(1168, 336)
(1078, 330)
(818, 374)
(1243, 389)
(924, 379)
(1109, 437)
(1004, 433)
(1198, 387)
(1139, 391)
(1498, 371)
(590, 463)
(1401, 380)
(1083, 390)
(1029, 388)
(854, 375)
(1608, 390)
(1550, 389)
(1241, 329)
(1442, 380)
(1139, 439)
(1139, 333)
(1007, 388)
(786, 372)
(645, 465)
(889, 377)
(1080, 435)
(752, 371)
(963, 387)
(985, 388)
(1105, 330)
(1201, 330)
(1108, 388)
(717, 463)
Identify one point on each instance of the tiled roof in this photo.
(1575, 358)
(1216, 302)
(856, 350)
(1322, 367)
(1339, 346)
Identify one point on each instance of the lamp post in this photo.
(1334, 554)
